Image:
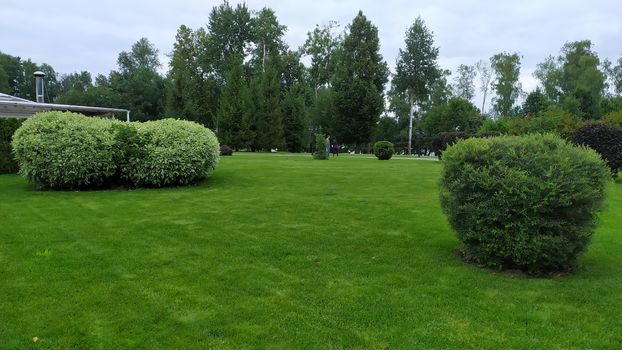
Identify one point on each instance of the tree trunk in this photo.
(410, 124)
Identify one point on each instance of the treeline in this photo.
(239, 77)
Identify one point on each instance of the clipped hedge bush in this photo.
(64, 150)
(606, 139)
(60, 150)
(8, 165)
(176, 152)
(383, 150)
(522, 202)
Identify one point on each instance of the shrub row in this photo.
(8, 165)
(61, 150)
(523, 202)
(606, 139)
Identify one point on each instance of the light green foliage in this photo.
(417, 64)
(507, 85)
(321, 45)
(464, 86)
(574, 79)
(526, 202)
(176, 152)
(60, 150)
(64, 150)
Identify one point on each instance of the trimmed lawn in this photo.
(283, 252)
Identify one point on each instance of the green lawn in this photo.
(283, 252)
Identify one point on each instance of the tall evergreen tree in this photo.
(359, 82)
(269, 128)
(417, 69)
(294, 118)
(234, 112)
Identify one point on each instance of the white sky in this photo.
(88, 35)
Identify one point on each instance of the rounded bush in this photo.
(226, 150)
(522, 202)
(383, 150)
(606, 139)
(175, 152)
(62, 150)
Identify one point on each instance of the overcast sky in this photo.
(84, 35)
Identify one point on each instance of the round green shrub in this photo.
(175, 152)
(606, 139)
(522, 202)
(62, 150)
(383, 150)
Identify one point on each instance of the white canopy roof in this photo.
(15, 107)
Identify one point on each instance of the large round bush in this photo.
(174, 152)
(383, 150)
(63, 150)
(606, 139)
(522, 202)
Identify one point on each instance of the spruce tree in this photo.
(359, 82)
(233, 111)
(269, 126)
(293, 118)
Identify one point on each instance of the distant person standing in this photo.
(335, 147)
(327, 145)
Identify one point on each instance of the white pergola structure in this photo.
(15, 107)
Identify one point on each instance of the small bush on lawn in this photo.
(383, 150)
(226, 150)
(176, 152)
(320, 147)
(523, 202)
(606, 139)
(8, 165)
(444, 139)
(65, 150)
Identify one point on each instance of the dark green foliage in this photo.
(320, 147)
(456, 115)
(269, 127)
(226, 150)
(235, 110)
(8, 165)
(359, 83)
(523, 202)
(535, 103)
(383, 150)
(442, 140)
(294, 118)
(606, 139)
